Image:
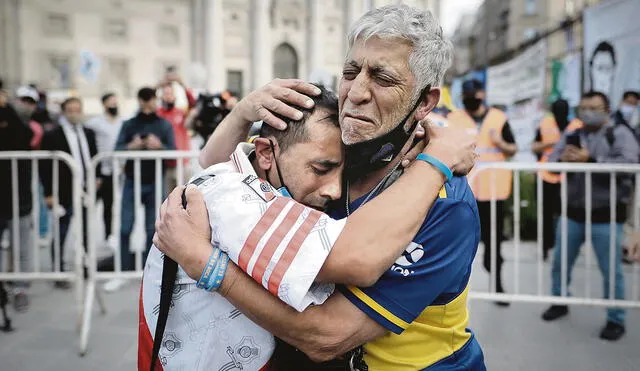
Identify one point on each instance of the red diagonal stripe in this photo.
(291, 251)
(259, 230)
(274, 241)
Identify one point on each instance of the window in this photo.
(116, 30)
(168, 35)
(234, 82)
(530, 7)
(530, 34)
(57, 25)
(58, 72)
(117, 76)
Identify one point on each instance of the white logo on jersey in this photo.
(411, 255)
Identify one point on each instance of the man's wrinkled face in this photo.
(376, 88)
(312, 170)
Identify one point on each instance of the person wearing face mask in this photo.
(495, 144)
(72, 137)
(26, 106)
(627, 112)
(547, 135)
(176, 117)
(107, 126)
(145, 131)
(598, 141)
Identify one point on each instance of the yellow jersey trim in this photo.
(377, 307)
(442, 193)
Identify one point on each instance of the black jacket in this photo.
(143, 125)
(55, 140)
(14, 136)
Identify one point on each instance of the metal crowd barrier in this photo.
(117, 160)
(542, 294)
(37, 273)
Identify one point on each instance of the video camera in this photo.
(212, 109)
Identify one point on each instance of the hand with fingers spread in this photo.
(280, 96)
(182, 234)
(453, 146)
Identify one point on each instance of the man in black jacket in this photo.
(70, 137)
(15, 136)
(145, 131)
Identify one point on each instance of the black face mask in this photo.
(113, 111)
(376, 153)
(471, 104)
(168, 105)
(284, 190)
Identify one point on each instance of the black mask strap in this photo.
(374, 154)
(282, 184)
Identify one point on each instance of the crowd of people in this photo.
(596, 134)
(26, 124)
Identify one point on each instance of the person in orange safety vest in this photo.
(547, 135)
(495, 143)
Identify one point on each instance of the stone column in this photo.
(261, 48)
(315, 33)
(214, 46)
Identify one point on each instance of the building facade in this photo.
(88, 47)
(500, 27)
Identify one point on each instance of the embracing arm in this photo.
(322, 332)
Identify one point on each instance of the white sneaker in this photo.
(111, 243)
(114, 285)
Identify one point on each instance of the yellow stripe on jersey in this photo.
(436, 334)
(442, 193)
(377, 307)
(252, 139)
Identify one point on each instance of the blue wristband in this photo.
(208, 270)
(221, 269)
(437, 164)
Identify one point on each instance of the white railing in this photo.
(542, 294)
(517, 292)
(37, 273)
(117, 159)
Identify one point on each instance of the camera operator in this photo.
(210, 110)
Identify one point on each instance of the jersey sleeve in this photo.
(439, 259)
(279, 242)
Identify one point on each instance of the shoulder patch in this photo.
(260, 187)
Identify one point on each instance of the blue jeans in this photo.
(147, 195)
(600, 233)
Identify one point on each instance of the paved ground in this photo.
(512, 338)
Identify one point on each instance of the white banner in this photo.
(521, 78)
(612, 48)
(569, 79)
(519, 85)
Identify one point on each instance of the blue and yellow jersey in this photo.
(422, 299)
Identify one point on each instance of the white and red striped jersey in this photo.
(277, 241)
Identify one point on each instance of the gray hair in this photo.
(431, 55)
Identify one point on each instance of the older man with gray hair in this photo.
(415, 316)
